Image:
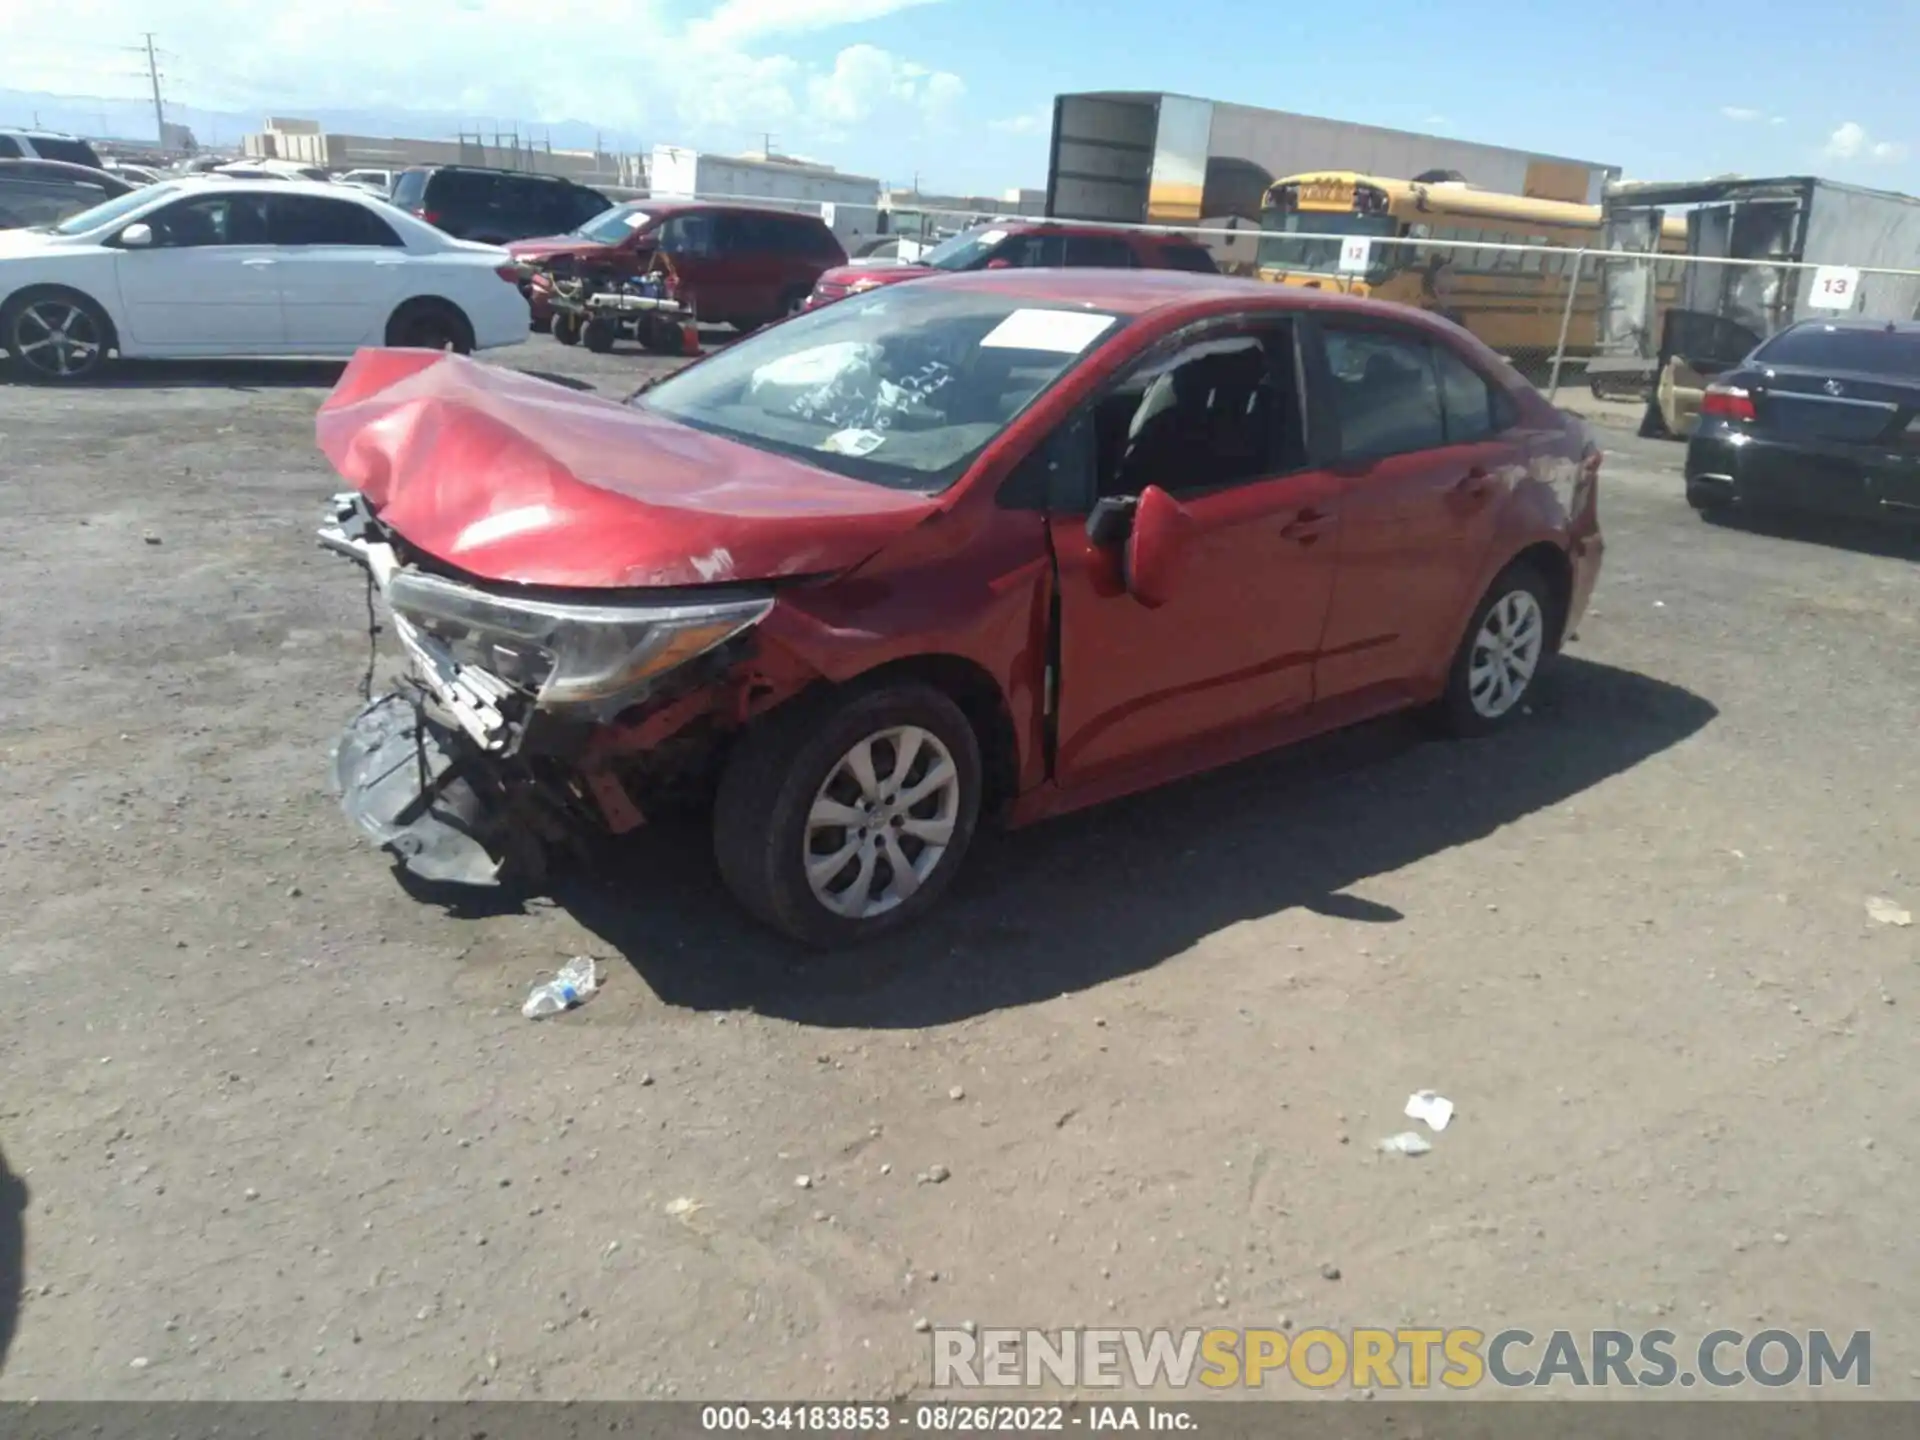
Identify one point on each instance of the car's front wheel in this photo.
(430, 325)
(843, 820)
(1506, 644)
(57, 337)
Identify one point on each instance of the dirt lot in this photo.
(274, 1127)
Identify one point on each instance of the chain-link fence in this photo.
(1647, 326)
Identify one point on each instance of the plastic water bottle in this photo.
(575, 981)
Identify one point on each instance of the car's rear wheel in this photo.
(57, 337)
(599, 335)
(430, 325)
(566, 328)
(1507, 643)
(843, 820)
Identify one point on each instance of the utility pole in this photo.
(766, 145)
(153, 77)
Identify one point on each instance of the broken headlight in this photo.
(567, 654)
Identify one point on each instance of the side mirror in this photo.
(137, 237)
(1157, 547)
(1111, 522)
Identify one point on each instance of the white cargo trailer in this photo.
(850, 204)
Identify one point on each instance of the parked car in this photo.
(135, 174)
(1007, 544)
(48, 145)
(741, 265)
(1009, 244)
(218, 267)
(1820, 417)
(495, 206)
(379, 182)
(44, 192)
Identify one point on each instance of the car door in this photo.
(342, 270)
(1426, 453)
(687, 240)
(207, 284)
(1214, 418)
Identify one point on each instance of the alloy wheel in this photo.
(1506, 653)
(58, 339)
(881, 822)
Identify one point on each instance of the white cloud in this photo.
(1850, 141)
(1776, 120)
(1436, 120)
(867, 80)
(1740, 112)
(736, 21)
(1846, 142)
(706, 81)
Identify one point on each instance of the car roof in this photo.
(1854, 322)
(1040, 226)
(1140, 292)
(493, 170)
(731, 207)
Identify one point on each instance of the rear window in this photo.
(1845, 347)
(460, 187)
(408, 189)
(9, 148)
(74, 152)
(1188, 257)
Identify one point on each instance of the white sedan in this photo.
(199, 268)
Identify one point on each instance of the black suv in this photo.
(495, 206)
(45, 145)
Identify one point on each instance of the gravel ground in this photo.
(273, 1127)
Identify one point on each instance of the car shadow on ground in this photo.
(1077, 902)
(206, 375)
(1862, 537)
(13, 1254)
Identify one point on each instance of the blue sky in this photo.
(960, 90)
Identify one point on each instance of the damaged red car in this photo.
(995, 545)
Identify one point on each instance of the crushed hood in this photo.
(546, 247)
(520, 480)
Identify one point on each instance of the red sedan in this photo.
(1000, 544)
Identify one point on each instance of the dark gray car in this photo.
(45, 192)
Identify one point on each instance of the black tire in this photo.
(1709, 504)
(42, 328)
(566, 328)
(760, 823)
(599, 335)
(660, 336)
(540, 324)
(430, 325)
(1457, 712)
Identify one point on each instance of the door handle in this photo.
(1476, 484)
(1308, 526)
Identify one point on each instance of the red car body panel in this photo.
(514, 479)
(1379, 566)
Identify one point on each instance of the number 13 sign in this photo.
(1835, 287)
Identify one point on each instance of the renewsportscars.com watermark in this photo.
(1398, 1359)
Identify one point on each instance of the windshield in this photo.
(610, 227)
(965, 251)
(1284, 244)
(902, 386)
(109, 211)
(1893, 353)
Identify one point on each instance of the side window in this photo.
(689, 235)
(1211, 412)
(1474, 408)
(408, 189)
(211, 220)
(1384, 393)
(582, 205)
(1177, 256)
(9, 148)
(1028, 251)
(1107, 252)
(308, 220)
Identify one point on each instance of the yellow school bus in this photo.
(1512, 300)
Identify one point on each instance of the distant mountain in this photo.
(133, 120)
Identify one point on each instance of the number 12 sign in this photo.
(1356, 254)
(1835, 287)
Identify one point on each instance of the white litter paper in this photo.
(1435, 1110)
(1063, 332)
(1407, 1142)
(853, 442)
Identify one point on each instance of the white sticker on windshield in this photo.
(853, 442)
(1064, 332)
(636, 218)
(992, 237)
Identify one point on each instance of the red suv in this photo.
(1009, 244)
(992, 545)
(734, 264)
